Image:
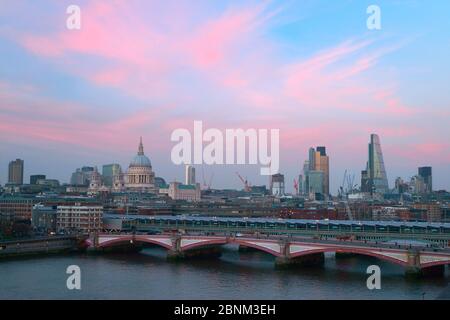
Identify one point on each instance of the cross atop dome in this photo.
(141, 147)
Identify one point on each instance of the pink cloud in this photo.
(328, 98)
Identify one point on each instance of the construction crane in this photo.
(341, 187)
(348, 211)
(350, 184)
(247, 187)
(347, 187)
(203, 178)
(206, 186)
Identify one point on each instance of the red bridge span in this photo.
(287, 251)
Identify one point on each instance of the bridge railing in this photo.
(442, 239)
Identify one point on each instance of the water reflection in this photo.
(235, 275)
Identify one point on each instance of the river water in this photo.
(235, 275)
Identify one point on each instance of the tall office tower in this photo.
(35, 177)
(305, 177)
(317, 166)
(277, 184)
(301, 185)
(375, 175)
(426, 174)
(312, 159)
(108, 173)
(15, 172)
(322, 164)
(190, 175)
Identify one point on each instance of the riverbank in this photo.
(41, 246)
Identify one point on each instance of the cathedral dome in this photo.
(140, 176)
(140, 160)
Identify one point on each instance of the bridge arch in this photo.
(135, 240)
(190, 244)
(380, 255)
(435, 264)
(271, 247)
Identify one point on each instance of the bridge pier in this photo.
(309, 260)
(243, 248)
(207, 252)
(177, 252)
(414, 269)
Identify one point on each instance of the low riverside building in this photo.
(20, 206)
(43, 218)
(432, 212)
(179, 191)
(79, 218)
(6, 224)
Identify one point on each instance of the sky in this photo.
(311, 69)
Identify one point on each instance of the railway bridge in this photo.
(287, 250)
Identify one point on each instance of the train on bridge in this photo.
(413, 230)
(420, 247)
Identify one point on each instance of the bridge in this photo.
(420, 247)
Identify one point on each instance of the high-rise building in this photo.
(35, 177)
(426, 174)
(300, 185)
(316, 182)
(365, 187)
(305, 184)
(317, 166)
(312, 159)
(416, 185)
(15, 172)
(277, 184)
(108, 173)
(82, 177)
(322, 164)
(374, 180)
(190, 175)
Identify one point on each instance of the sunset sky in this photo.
(312, 69)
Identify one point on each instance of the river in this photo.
(235, 275)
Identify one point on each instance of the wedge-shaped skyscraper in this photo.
(374, 178)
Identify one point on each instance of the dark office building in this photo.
(15, 172)
(426, 174)
(365, 184)
(322, 151)
(35, 177)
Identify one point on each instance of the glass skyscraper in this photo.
(375, 178)
(108, 173)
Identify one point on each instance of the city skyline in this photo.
(82, 97)
(314, 154)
